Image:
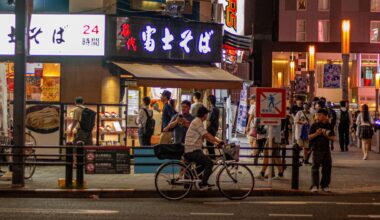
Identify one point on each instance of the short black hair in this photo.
(146, 100)
(316, 99)
(202, 111)
(197, 95)
(186, 102)
(343, 103)
(323, 111)
(321, 103)
(167, 94)
(212, 99)
(79, 100)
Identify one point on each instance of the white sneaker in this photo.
(314, 189)
(326, 189)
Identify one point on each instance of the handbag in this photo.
(252, 132)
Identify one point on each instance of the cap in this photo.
(166, 93)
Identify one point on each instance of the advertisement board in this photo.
(107, 160)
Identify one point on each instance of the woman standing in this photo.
(365, 123)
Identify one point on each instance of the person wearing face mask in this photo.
(303, 121)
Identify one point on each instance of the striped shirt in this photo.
(194, 136)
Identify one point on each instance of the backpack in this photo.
(150, 124)
(305, 129)
(332, 115)
(169, 151)
(344, 119)
(87, 121)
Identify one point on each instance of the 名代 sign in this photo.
(271, 103)
(53, 34)
(168, 40)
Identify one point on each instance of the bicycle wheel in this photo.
(235, 181)
(173, 181)
(30, 165)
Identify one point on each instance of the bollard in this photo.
(69, 166)
(295, 167)
(80, 164)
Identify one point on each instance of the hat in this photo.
(166, 93)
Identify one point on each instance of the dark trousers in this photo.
(344, 137)
(210, 146)
(260, 145)
(144, 140)
(204, 161)
(321, 158)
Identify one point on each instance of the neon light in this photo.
(168, 38)
(149, 43)
(186, 36)
(204, 42)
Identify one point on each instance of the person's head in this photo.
(288, 110)
(329, 104)
(343, 104)
(320, 105)
(146, 101)
(306, 106)
(79, 100)
(196, 96)
(299, 101)
(202, 113)
(365, 112)
(185, 106)
(253, 99)
(165, 96)
(212, 100)
(323, 115)
(323, 99)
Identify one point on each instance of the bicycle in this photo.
(175, 179)
(29, 152)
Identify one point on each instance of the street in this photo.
(318, 207)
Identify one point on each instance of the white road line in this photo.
(292, 203)
(364, 216)
(211, 214)
(291, 215)
(59, 211)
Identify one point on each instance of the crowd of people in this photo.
(312, 127)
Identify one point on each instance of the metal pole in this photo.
(377, 104)
(295, 167)
(69, 166)
(312, 85)
(270, 153)
(23, 11)
(80, 164)
(292, 88)
(345, 59)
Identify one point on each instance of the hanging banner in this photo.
(331, 77)
(3, 99)
(233, 18)
(56, 34)
(242, 116)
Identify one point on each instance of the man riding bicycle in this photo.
(195, 136)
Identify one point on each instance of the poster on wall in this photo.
(331, 76)
(3, 99)
(43, 119)
(301, 5)
(301, 82)
(243, 108)
(50, 89)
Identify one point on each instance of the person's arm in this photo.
(358, 120)
(314, 132)
(250, 118)
(297, 118)
(173, 123)
(211, 139)
(351, 120)
(75, 122)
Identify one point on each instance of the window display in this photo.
(368, 75)
(111, 131)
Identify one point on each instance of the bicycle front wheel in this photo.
(235, 181)
(173, 181)
(30, 166)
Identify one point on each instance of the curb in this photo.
(131, 193)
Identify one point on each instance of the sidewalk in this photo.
(350, 175)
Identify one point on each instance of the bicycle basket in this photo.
(169, 151)
(231, 151)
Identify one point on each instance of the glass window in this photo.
(301, 30)
(374, 32)
(375, 5)
(323, 30)
(324, 5)
(301, 5)
(368, 75)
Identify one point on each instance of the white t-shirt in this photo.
(252, 111)
(360, 121)
(300, 117)
(194, 136)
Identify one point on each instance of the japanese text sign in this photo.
(234, 16)
(53, 34)
(168, 40)
(271, 103)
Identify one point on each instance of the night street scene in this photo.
(189, 109)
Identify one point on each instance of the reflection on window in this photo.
(324, 5)
(323, 30)
(368, 75)
(301, 30)
(375, 27)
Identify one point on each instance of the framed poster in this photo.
(331, 76)
(302, 82)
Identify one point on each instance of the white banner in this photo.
(3, 99)
(233, 16)
(67, 35)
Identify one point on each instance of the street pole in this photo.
(23, 10)
(345, 59)
(292, 88)
(377, 104)
(312, 85)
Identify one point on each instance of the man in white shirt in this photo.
(195, 135)
(302, 118)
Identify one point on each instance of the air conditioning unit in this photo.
(175, 7)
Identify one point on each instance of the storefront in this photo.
(150, 55)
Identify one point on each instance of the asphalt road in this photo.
(318, 207)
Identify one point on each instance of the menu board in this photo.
(107, 160)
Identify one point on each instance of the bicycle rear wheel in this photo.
(30, 165)
(173, 181)
(235, 181)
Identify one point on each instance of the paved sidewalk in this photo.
(350, 174)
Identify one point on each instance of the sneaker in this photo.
(260, 176)
(326, 189)
(203, 187)
(314, 189)
(306, 162)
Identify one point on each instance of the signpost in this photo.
(270, 108)
(107, 160)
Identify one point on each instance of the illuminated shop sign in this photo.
(233, 16)
(168, 40)
(66, 35)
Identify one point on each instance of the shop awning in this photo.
(180, 76)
